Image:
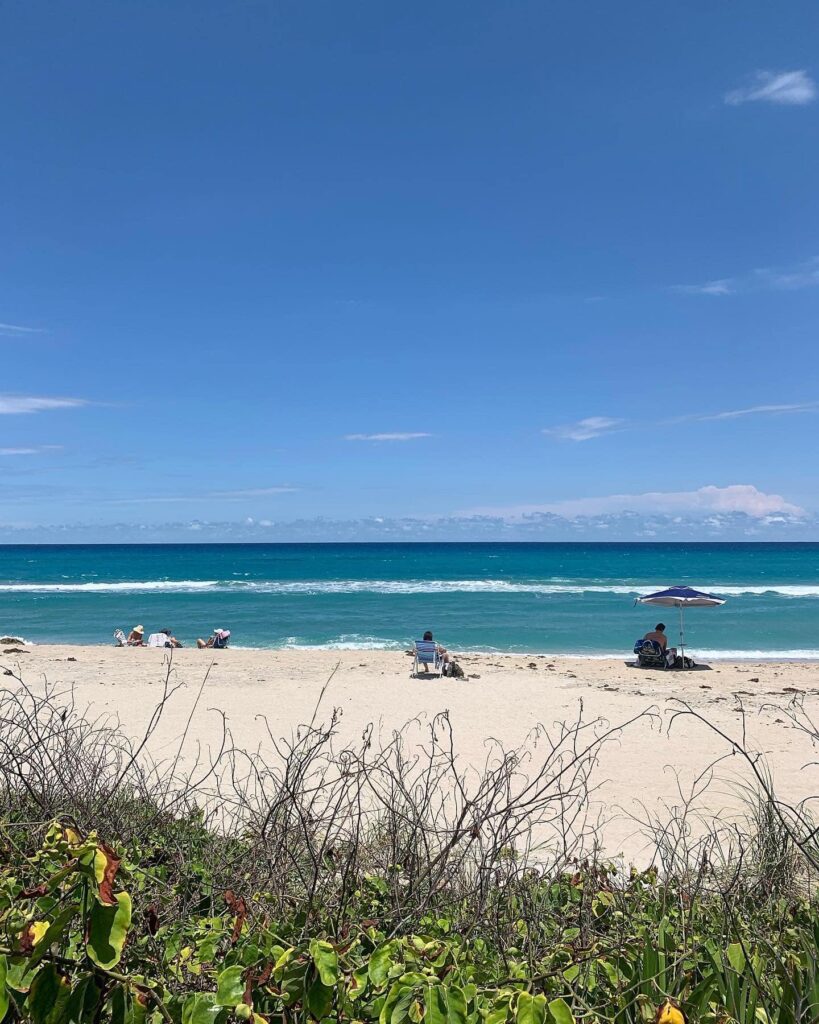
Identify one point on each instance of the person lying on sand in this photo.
(135, 637)
(443, 653)
(658, 636)
(218, 640)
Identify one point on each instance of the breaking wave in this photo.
(307, 587)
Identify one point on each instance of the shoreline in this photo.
(729, 657)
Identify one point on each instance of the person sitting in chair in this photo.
(658, 636)
(218, 640)
(443, 653)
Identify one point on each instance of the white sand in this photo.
(510, 697)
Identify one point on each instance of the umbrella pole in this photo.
(682, 637)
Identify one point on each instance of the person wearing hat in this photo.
(135, 637)
(218, 640)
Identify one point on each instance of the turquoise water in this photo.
(540, 598)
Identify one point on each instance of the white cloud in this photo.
(31, 451)
(722, 286)
(803, 275)
(385, 437)
(584, 430)
(14, 330)
(786, 88)
(754, 410)
(733, 498)
(161, 499)
(13, 405)
(785, 279)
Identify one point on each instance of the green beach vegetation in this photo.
(319, 881)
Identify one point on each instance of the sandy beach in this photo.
(504, 697)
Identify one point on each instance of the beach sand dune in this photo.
(504, 697)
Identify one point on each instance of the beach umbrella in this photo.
(682, 598)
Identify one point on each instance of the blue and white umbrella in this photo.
(682, 598)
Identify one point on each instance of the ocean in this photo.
(526, 598)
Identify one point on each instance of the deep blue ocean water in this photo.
(539, 598)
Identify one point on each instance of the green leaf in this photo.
(4, 995)
(82, 1002)
(457, 1005)
(436, 1005)
(326, 961)
(736, 957)
(401, 1009)
(230, 989)
(48, 996)
(20, 975)
(531, 1009)
(320, 999)
(358, 983)
(561, 1012)
(389, 1004)
(52, 934)
(118, 1007)
(108, 930)
(380, 963)
(200, 1009)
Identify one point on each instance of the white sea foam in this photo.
(489, 586)
(169, 586)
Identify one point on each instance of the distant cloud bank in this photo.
(743, 498)
(786, 88)
(732, 513)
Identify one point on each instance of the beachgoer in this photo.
(443, 653)
(219, 640)
(172, 641)
(658, 636)
(135, 637)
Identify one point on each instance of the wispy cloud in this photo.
(12, 330)
(585, 430)
(786, 88)
(38, 450)
(162, 499)
(597, 426)
(723, 286)
(13, 405)
(386, 437)
(734, 498)
(754, 410)
(804, 275)
(801, 275)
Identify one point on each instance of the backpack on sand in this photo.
(453, 670)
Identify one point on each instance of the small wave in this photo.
(345, 642)
(183, 586)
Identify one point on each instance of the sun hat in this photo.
(139, 629)
(219, 630)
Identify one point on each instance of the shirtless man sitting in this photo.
(658, 634)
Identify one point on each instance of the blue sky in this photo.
(278, 261)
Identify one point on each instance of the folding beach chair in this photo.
(650, 654)
(426, 653)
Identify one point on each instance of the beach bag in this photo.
(453, 670)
